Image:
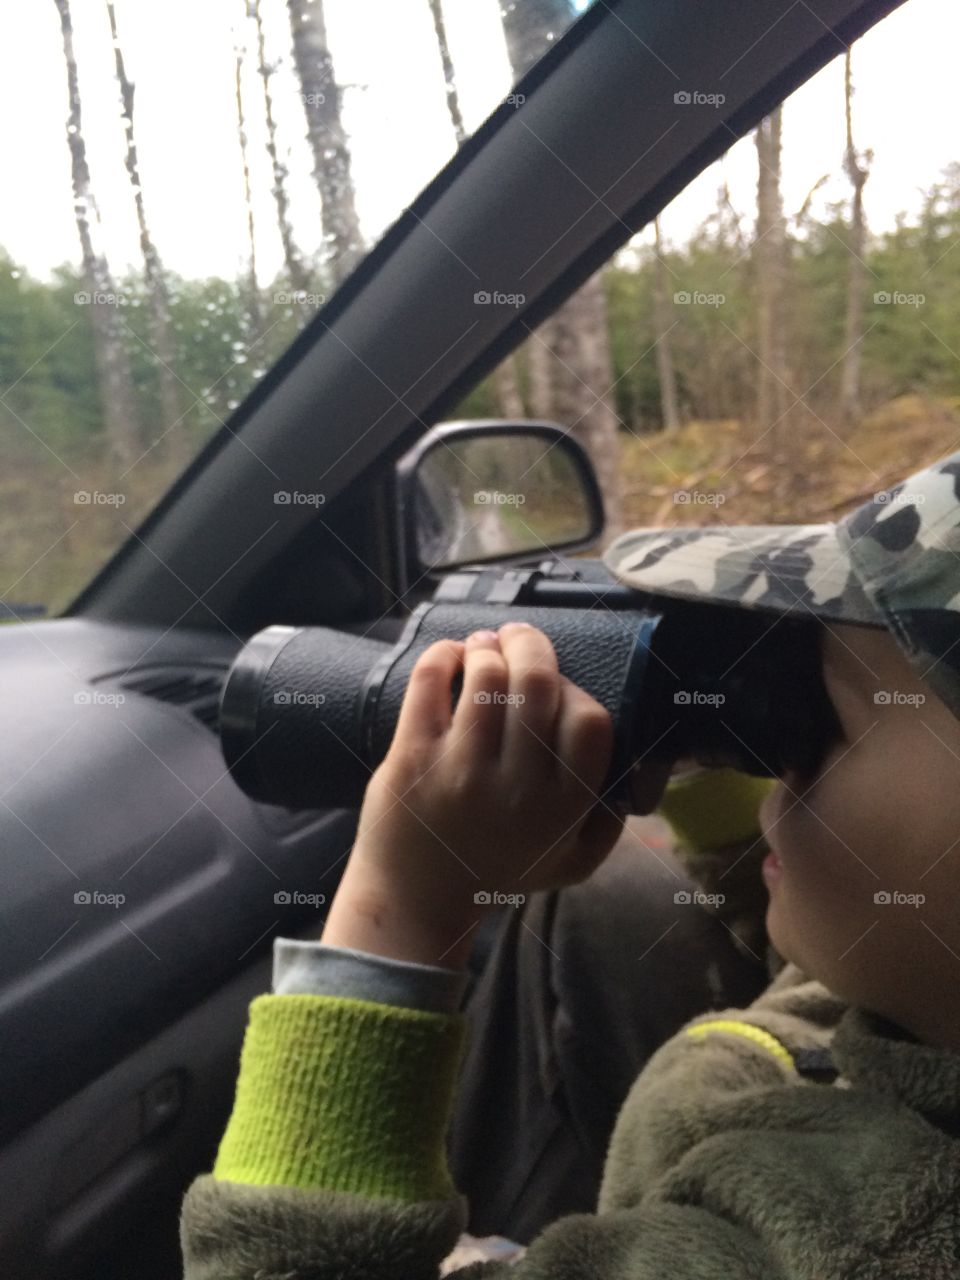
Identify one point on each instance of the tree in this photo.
(157, 297)
(770, 266)
(291, 254)
(665, 370)
(453, 97)
(253, 307)
(505, 381)
(575, 385)
(112, 360)
(857, 168)
(633, 336)
(323, 106)
(712, 347)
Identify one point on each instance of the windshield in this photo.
(187, 184)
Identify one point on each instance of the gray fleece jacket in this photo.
(736, 1154)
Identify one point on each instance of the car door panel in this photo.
(138, 877)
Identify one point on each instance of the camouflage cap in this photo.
(893, 562)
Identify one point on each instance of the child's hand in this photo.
(499, 797)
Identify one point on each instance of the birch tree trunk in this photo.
(253, 308)
(453, 97)
(770, 249)
(575, 387)
(157, 296)
(110, 355)
(663, 318)
(856, 168)
(322, 104)
(506, 384)
(581, 375)
(540, 361)
(296, 272)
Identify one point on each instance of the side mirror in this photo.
(491, 490)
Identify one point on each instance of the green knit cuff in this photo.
(342, 1094)
(714, 807)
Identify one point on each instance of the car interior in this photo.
(120, 1033)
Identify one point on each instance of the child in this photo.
(812, 1135)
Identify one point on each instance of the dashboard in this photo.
(141, 891)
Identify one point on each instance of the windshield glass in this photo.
(187, 184)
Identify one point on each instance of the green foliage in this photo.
(47, 374)
(224, 339)
(480, 402)
(636, 389)
(51, 417)
(911, 341)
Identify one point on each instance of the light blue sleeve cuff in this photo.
(315, 968)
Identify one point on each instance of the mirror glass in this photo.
(481, 497)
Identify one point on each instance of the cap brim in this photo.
(783, 568)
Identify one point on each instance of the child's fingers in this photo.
(425, 713)
(534, 699)
(584, 738)
(478, 719)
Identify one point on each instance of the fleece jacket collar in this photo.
(871, 1053)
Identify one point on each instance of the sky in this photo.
(181, 56)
